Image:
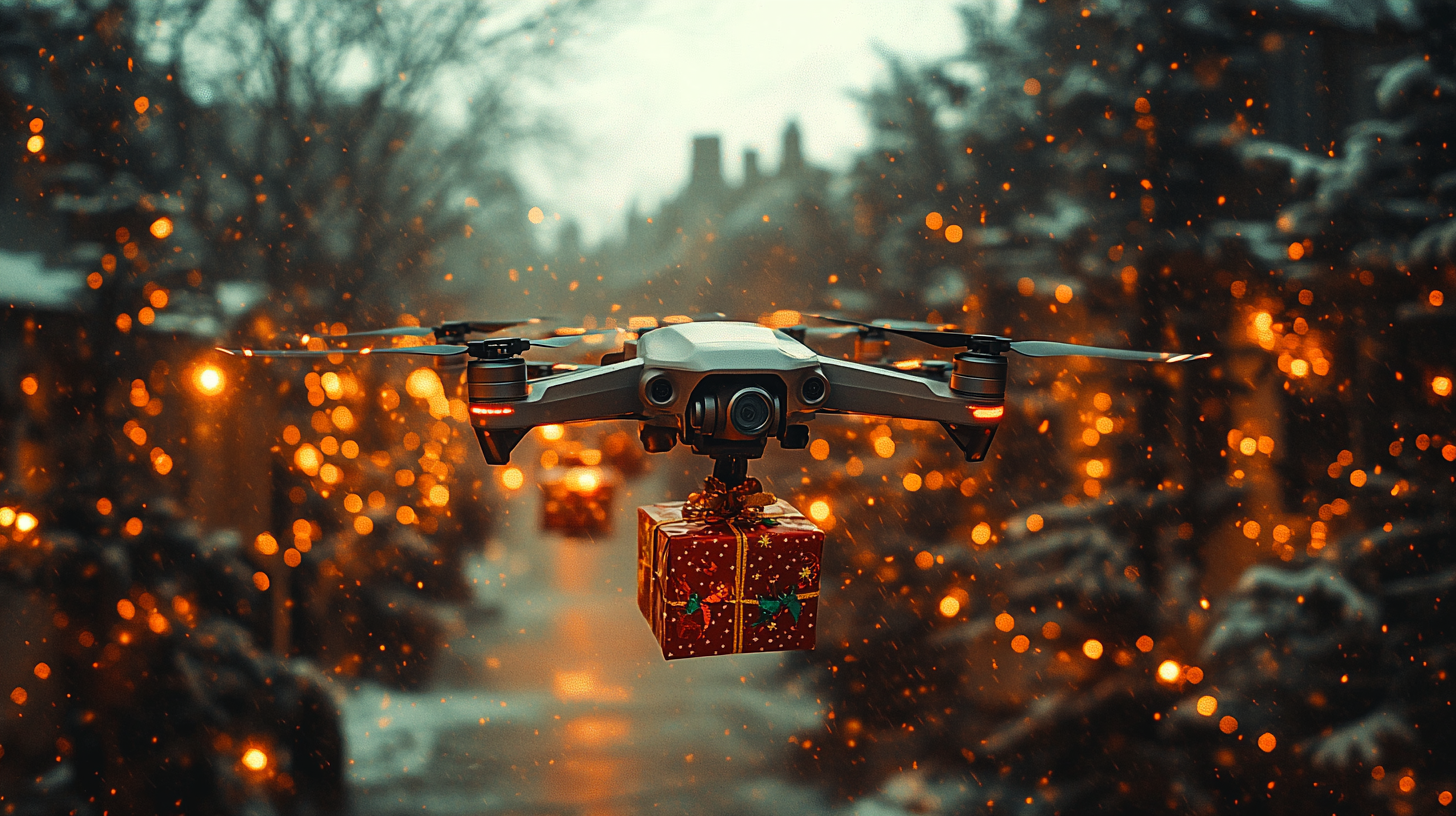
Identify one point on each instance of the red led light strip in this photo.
(492, 410)
(990, 412)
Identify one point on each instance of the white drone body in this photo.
(724, 388)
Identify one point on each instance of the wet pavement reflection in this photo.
(553, 696)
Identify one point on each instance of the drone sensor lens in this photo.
(660, 391)
(750, 412)
(812, 390)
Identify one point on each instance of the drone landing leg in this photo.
(730, 470)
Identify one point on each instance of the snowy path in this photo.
(563, 704)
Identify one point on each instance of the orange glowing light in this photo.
(981, 533)
(37, 125)
(1228, 725)
(954, 233)
(1267, 742)
(35, 144)
(1207, 705)
(254, 759)
(884, 447)
(1051, 630)
(1296, 251)
(1169, 671)
(912, 482)
(363, 525)
(1064, 294)
(157, 623)
(1441, 385)
(292, 557)
(209, 381)
(535, 215)
(1020, 643)
(492, 410)
(29, 386)
(405, 515)
(331, 474)
(550, 433)
(7, 516)
(19, 695)
(266, 544)
(1005, 622)
(141, 104)
(819, 449)
(161, 228)
(1031, 87)
(513, 478)
(1035, 522)
(819, 510)
(42, 670)
(1251, 530)
(1093, 649)
(950, 606)
(988, 412)
(934, 220)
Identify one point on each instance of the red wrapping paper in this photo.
(712, 585)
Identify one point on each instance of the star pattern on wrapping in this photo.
(773, 625)
(765, 541)
(805, 572)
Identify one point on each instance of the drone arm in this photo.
(860, 389)
(610, 392)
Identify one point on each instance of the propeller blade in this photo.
(455, 326)
(427, 351)
(1047, 348)
(489, 326)
(1027, 348)
(393, 331)
(567, 339)
(943, 339)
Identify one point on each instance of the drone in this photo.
(724, 388)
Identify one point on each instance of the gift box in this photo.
(577, 500)
(728, 577)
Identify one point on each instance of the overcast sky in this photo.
(638, 86)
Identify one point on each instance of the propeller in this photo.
(456, 328)
(504, 346)
(427, 351)
(991, 344)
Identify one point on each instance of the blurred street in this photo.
(558, 699)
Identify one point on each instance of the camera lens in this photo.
(750, 411)
(660, 391)
(812, 390)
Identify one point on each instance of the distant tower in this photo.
(793, 156)
(707, 165)
(751, 176)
